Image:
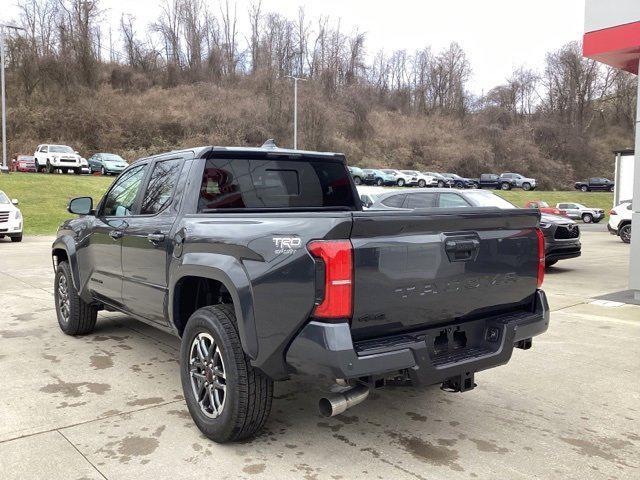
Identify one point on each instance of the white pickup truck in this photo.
(59, 157)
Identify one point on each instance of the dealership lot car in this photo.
(196, 242)
(577, 211)
(10, 218)
(620, 221)
(107, 163)
(59, 157)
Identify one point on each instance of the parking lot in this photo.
(109, 405)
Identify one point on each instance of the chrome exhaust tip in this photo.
(337, 403)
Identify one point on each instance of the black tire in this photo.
(81, 317)
(102, 171)
(400, 182)
(584, 188)
(550, 263)
(440, 184)
(505, 186)
(357, 180)
(50, 168)
(77, 171)
(379, 182)
(612, 188)
(587, 218)
(17, 238)
(459, 185)
(625, 233)
(526, 186)
(248, 392)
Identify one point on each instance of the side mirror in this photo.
(15, 201)
(366, 201)
(81, 206)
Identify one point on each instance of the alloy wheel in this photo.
(208, 377)
(64, 304)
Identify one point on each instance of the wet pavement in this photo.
(109, 405)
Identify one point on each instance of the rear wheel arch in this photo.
(199, 286)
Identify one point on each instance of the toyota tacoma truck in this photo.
(264, 263)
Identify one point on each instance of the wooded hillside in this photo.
(193, 78)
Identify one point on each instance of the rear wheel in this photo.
(75, 316)
(77, 170)
(505, 186)
(625, 233)
(357, 180)
(379, 182)
(440, 184)
(587, 218)
(102, 171)
(611, 188)
(50, 168)
(584, 188)
(422, 183)
(400, 182)
(227, 398)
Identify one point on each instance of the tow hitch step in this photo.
(459, 383)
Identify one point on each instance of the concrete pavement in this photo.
(109, 405)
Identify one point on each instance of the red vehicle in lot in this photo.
(25, 163)
(544, 207)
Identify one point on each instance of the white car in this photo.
(620, 221)
(59, 157)
(10, 218)
(424, 180)
(402, 179)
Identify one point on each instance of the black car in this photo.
(596, 184)
(264, 263)
(561, 234)
(495, 181)
(461, 182)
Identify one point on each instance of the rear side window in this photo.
(452, 200)
(274, 184)
(421, 200)
(394, 201)
(164, 178)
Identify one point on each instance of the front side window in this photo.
(394, 201)
(159, 191)
(452, 200)
(421, 200)
(264, 183)
(44, 149)
(120, 199)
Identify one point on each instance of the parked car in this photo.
(544, 207)
(378, 177)
(459, 182)
(596, 184)
(357, 174)
(263, 262)
(107, 163)
(562, 235)
(368, 194)
(10, 218)
(25, 163)
(620, 221)
(492, 180)
(442, 181)
(578, 211)
(521, 181)
(423, 179)
(402, 179)
(58, 157)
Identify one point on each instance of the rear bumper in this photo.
(612, 230)
(328, 351)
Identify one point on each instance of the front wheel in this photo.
(505, 186)
(50, 168)
(357, 180)
(422, 183)
(77, 171)
(611, 188)
(587, 218)
(102, 171)
(17, 238)
(440, 184)
(75, 316)
(227, 398)
(400, 182)
(379, 182)
(584, 188)
(625, 233)
(526, 186)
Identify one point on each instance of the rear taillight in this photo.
(336, 299)
(541, 261)
(612, 212)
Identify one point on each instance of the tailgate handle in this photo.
(462, 250)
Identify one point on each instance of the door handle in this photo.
(156, 237)
(116, 234)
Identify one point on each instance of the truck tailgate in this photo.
(417, 269)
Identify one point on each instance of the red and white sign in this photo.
(612, 33)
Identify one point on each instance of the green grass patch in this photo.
(43, 197)
(603, 200)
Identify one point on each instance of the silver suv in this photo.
(520, 181)
(579, 211)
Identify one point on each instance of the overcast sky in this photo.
(497, 35)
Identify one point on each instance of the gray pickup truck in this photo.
(263, 262)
